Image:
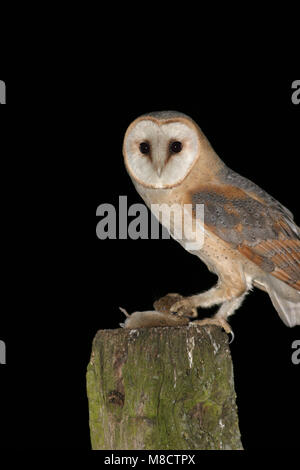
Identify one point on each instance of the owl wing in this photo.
(230, 177)
(255, 224)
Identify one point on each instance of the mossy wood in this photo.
(162, 388)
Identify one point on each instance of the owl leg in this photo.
(222, 293)
(229, 307)
(220, 318)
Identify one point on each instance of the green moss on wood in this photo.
(162, 388)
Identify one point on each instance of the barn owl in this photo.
(250, 239)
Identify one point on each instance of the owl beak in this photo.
(158, 168)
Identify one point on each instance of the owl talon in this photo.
(165, 303)
(232, 337)
(184, 308)
(218, 322)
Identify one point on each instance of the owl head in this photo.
(161, 148)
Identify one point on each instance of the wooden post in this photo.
(162, 388)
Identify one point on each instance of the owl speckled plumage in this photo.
(250, 239)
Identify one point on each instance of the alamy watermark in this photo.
(2, 92)
(296, 354)
(2, 352)
(185, 222)
(296, 93)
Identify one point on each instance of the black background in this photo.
(61, 284)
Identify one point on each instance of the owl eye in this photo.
(145, 148)
(175, 147)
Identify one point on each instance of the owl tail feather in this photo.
(286, 301)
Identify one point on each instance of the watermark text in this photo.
(2, 92)
(2, 352)
(184, 222)
(296, 93)
(296, 353)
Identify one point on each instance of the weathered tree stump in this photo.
(162, 388)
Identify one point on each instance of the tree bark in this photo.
(162, 388)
